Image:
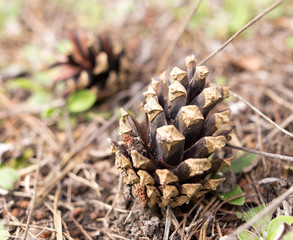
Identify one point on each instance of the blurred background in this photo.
(33, 33)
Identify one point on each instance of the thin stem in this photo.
(172, 44)
(251, 22)
(261, 114)
(261, 153)
(33, 200)
(268, 210)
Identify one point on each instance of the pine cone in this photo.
(95, 63)
(165, 160)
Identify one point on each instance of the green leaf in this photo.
(4, 234)
(236, 191)
(252, 212)
(243, 162)
(81, 101)
(8, 177)
(247, 235)
(276, 224)
(288, 236)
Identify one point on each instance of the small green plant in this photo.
(9, 177)
(238, 165)
(81, 101)
(4, 234)
(266, 227)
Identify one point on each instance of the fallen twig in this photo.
(261, 114)
(272, 155)
(254, 20)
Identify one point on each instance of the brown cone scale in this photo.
(95, 62)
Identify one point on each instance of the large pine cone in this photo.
(165, 160)
(96, 63)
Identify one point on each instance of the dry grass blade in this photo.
(283, 124)
(34, 123)
(195, 217)
(118, 194)
(208, 206)
(31, 226)
(260, 142)
(32, 204)
(106, 206)
(261, 114)
(219, 229)
(87, 236)
(168, 223)
(29, 169)
(56, 176)
(183, 227)
(131, 211)
(254, 20)
(57, 216)
(203, 230)
(93, 185)
(268, 210)
(115, 236)
(275, 97)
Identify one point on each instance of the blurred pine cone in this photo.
(96, 63)
(165, 160)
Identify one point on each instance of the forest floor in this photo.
(68, 186)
